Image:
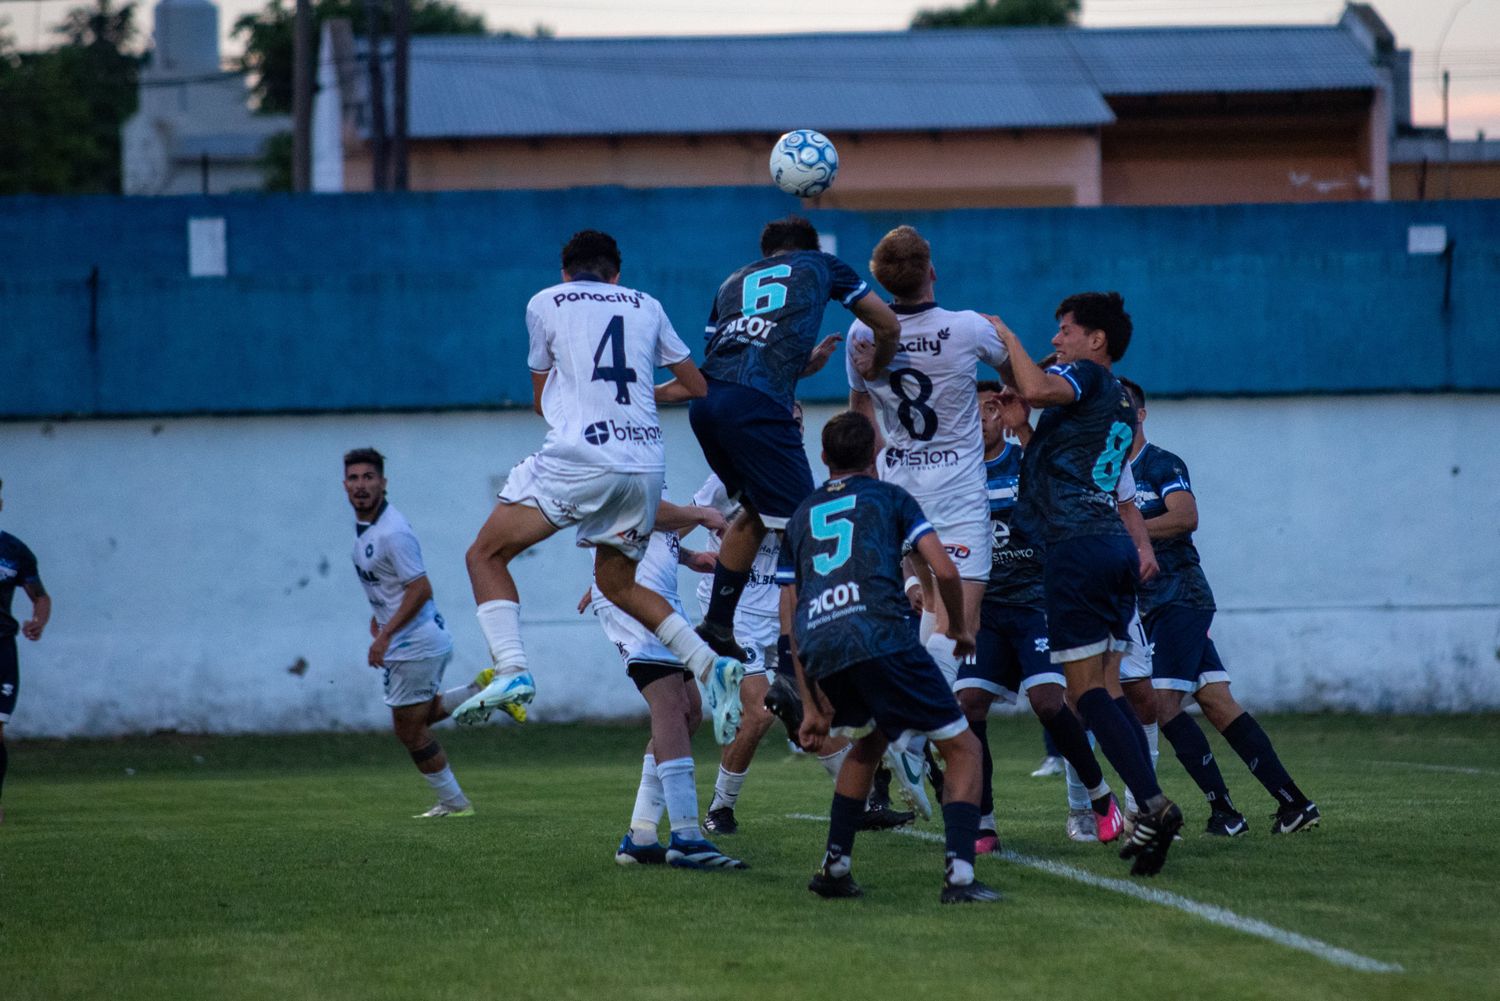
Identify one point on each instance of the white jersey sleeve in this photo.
(600, 345)
(857, 332)
(405, 554)
(1125, 489)
(988, 346)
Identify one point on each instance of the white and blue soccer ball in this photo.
(804, 163)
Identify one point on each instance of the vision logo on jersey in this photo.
(920, 458)
(600, 432)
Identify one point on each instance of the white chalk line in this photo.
(1454, 769)
(1208, 912)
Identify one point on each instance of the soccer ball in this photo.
(804, 163)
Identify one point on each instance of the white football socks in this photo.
(681, 796)
(941, 649)
(446, 787)
(926, 626)
(833, 761)
(727, 789)
(649, 802)
(455, 697)
(500, 621)
(1078, 796)
(1152, 730)
(676, 635)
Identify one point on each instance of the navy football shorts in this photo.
(1183, 658)
(754, 445)
(10, 677)
(1090, 585)
(903, 692)
(1010, 652)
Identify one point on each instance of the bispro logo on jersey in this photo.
(600, 432)
(920, 458)
(922, 343)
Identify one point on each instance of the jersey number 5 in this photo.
(618, 371)
(840, 532)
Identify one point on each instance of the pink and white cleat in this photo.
(1112, 823)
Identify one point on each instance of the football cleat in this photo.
(508, 692)
(1223, 824)
(909, 769)
(630, 853)
(785, 703)
(685, 853)
(1051, 765)
(1083, 825)
(1152, 837)
(721, 641)
(445, 810)
(721, 686)
(1294, 818)
(883, 818)
(969, 893)
(834, 887)
(1109, 825)
(721, 821)
(988, 843)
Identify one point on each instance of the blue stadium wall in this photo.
(369, 302)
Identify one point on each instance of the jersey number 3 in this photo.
(840, 532)
(617, 371)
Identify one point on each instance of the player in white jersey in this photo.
(757, 628)
(594, 346)
(407, 636)
(667, 780)
(928, 410)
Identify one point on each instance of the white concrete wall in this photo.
(1352, 542)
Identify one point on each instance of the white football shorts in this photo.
(969, 543)
(758, 635)
(609, 508)
(1136, 664)
(636, 643)
(412, 682)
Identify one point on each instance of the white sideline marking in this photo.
(1455, 769)
(1208, 912)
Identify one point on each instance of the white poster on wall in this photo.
(208, 247)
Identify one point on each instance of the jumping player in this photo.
(860, 669)
(1178, 607)
(928, 413)
(1077, 496)
(17, 569)
(1011, 648)
(761, 336)
(408, 640)
(594, 347)
(676, 710)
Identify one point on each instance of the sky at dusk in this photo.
(1471, 50)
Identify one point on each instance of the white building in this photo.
(194, 131)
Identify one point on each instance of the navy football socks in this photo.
(981, 730)
(1254, 747)
(1136, 725)
(728, 586)
(961, 830)
(843, 822)
(1191, 748)
(1072, 742)
(1121, 746)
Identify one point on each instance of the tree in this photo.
(1002, 14)
(268, 38)
(63, 108)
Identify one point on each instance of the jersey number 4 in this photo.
(617, 371)
(840, 532)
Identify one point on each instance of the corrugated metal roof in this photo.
(877, 81)
(1224, 60)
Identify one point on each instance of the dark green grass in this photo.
(228, 868)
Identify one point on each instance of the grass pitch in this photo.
(277, 868)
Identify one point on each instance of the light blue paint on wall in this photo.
(358, 302)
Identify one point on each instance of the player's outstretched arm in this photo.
(41, 610)
(1180, 518)
(886, 328)
(821, 354)
(950, 590)
(686, 517)
(1036, 386)
(687, 383)
(862, 403)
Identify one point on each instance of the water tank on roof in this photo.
(187, 38)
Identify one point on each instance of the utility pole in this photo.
(1447, 144)
(379, 150)
(302, 97)
(401, 30)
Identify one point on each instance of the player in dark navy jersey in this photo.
(1011, 646)
(860, 670)
(17, 569)
(1177, 609)
(762, 338)
(1078, 498)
